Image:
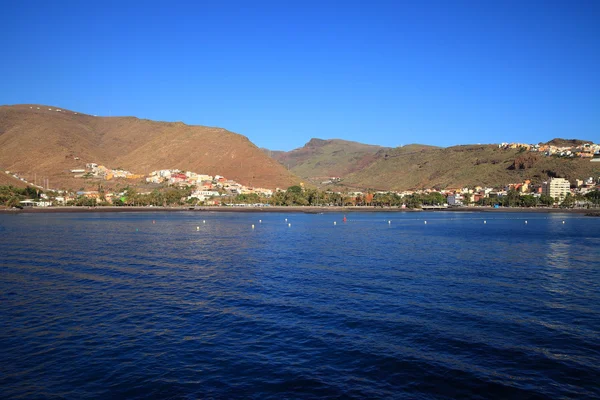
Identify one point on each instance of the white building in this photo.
(556, 188)
(455, 200)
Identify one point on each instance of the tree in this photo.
(130, 196)
(594, 197)
(546, 200)
(513, 198)
(295, 189)
(467, 197)
(528, 201)
(568, 201)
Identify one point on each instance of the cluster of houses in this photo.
(586, 150)
(557, 188)
(212, 191)
(206, 186)
(333, 179)
(93, 170)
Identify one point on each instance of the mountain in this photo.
(8, 180)
(415, 166)
(50, 142)
(321, 159)
(459, 166)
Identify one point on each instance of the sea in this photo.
(215, 305)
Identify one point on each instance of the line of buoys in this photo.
(334, 223)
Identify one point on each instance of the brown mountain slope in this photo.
(458, 166)
(39, 139)
(8, 180)
(319, 159)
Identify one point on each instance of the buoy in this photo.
(485, 222)
(334, 222)
(389, 222)
(286, 220)
(252, 226)
(203, 221)
(525, 221)
(260, 221)
(563, 222)
(289, 225)
(197, 228)
(425, 221)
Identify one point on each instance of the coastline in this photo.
(284, 209)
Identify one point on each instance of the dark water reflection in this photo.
(116, 306)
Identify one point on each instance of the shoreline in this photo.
(284, 209)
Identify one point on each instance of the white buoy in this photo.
(289, 225)
(197, 228)
(203, 221)
(485, 222)
(525, 221)
(425, 222)
(563, 222)
(252, 226)
(286, 220)
(334, 222)
(389, 222)
(260, 221)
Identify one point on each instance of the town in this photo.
(584, 150)
(174, 187)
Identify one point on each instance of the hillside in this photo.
(8, 180)
(405, 168)
(37, 139)
(321, 159)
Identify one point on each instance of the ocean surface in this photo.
(201, 305)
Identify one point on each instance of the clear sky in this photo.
(281, 72)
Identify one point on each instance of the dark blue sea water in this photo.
(114, 305)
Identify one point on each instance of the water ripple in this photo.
(146, 305)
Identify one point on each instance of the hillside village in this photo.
(196, 188)
(190, 188)
(583, 150)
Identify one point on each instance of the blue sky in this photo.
(281, 72)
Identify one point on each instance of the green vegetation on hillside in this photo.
(320, 159)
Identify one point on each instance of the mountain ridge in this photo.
(38, 139)
(418, 166)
